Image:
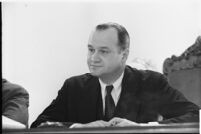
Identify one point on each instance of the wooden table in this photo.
(162, 128)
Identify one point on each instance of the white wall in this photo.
(46, 42)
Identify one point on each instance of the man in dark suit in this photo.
(114, 94)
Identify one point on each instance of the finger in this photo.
(121, 124)
(115, 120)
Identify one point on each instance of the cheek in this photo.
(114, 60)
(88, 57)
(88, 60)
(110, 64)
(113, 64)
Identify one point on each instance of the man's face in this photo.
(104, 55)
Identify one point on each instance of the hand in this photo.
(120, 122)
(50, 124)
(99, 123)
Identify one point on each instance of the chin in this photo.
(95, 74)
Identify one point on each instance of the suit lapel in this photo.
(128, 104)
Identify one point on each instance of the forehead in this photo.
(104, 38)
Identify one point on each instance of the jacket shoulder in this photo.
(148, 78)
(79, 80)
(145, 74)
(151, 75)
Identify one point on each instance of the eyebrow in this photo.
(90, 46)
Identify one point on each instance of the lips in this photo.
(95, 66)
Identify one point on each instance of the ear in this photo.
(125, 54)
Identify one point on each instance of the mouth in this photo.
(95, 66)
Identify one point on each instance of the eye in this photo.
(104, 51)
(91, 50)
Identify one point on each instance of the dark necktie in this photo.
(109, 103)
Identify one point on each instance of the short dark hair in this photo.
(123, 36)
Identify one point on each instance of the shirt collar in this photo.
(116, 84)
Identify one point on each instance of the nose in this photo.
(95, 57)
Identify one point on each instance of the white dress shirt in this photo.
(115, 92)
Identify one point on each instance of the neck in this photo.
(112, 77)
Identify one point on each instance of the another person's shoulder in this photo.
(12, 88)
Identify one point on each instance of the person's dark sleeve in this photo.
(173, 106)
(15, 103)
(57, 110)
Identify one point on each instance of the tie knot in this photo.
(109, 89)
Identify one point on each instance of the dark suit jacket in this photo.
(145, 95)
(15, 102)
